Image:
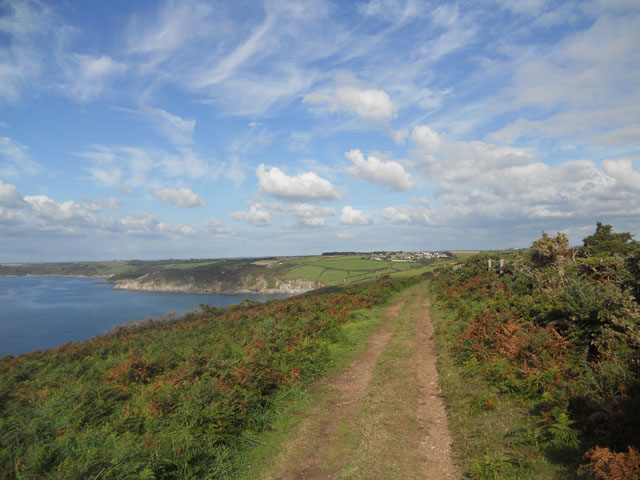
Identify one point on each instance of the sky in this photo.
(202, 129)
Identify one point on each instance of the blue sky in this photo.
(192, 129)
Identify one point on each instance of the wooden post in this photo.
(489, 267)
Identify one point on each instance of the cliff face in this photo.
(247, 284)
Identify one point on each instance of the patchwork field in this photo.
(269, 275)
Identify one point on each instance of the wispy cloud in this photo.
(16, 160)
(89, 77)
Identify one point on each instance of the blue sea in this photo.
(44, 312)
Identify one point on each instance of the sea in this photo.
(45, 312)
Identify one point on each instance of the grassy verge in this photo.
(290, 409)
(495, 435)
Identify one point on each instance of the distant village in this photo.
(408, 256)
(396, 256)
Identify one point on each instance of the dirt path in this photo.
(431, 415)
(382, 417)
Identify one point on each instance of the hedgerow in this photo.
(558, 329)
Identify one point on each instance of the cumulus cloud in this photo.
(258, 215)
(181, 197)
(10, 196)
(311, 215)
(48, 209)
(374, 170)
(95, 206)
(480, 182)
(397, 214)
(305, 187)
(217, 228)
(351, 216)
(370, 104)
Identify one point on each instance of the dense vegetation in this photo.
(169, 398)
(555, 333)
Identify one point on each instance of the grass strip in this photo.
(495, 436)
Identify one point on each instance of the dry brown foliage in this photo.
(607, 465)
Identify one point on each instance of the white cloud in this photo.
(311, 215)
(351, 216)
(96, 206)
(181, 197)
(145, 225)
(29, 26)
(370, 104)
(10, 196)
(480, 183)
(234, 170)
(258, 214)
(15, 159)
(303, 187)
(68, 212)
(119, 164)
(178, 130)
(426, 138)
(622, 171)
(585, 86)
(217, 228)
(397, 214)
(400, 136)
(374, 170)
(88, 77)
(10, 217)
(185, 163)
(122, 167)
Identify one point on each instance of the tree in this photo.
(548, 250)
(605, 243)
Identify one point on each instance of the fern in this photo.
(561, 433)
(607, 465)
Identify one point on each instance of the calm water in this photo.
(44, 312)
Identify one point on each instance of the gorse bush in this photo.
(172, 397)
(558, 329)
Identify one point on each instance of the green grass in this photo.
(118, 269)
(173, 398)
(186, 266)
(495, 435)
(307, 272)
(342, 269)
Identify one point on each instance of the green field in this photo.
(187, 266)
(210, 273)
(342, 269)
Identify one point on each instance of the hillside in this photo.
(175, 398)
(289, 275)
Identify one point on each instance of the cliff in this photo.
(187, 284)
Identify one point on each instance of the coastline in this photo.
(293, 287)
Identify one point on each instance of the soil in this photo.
(395, 428)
